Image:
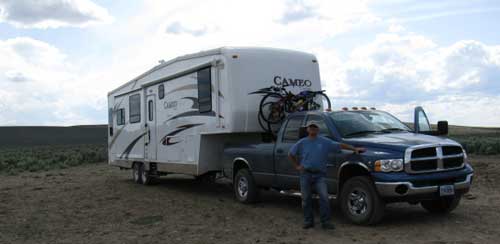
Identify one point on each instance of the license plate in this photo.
(446, 190)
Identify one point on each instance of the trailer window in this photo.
(161, 91)
(150, 110)
(204, 90)
(135, 108)
(120, 116)
(291, 133)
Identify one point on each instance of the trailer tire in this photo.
(146, 177)
(245, 188)
(360, 202)
(442, 205)
(136, 172)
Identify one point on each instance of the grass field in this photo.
(477, 140)
(37, 158)
(43, 148)
(39, 148)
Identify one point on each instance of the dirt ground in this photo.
(100, 204)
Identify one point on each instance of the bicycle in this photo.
(277, 102)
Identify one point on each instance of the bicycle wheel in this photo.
(272, 108)
(319, 101)
(263, 124)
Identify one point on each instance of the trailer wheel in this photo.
(146, 178)
(245, 189)
(360, 202)
(442, 205)
(136, 173)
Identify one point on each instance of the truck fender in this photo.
(238, 163)
(350, 169)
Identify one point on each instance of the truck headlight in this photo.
(389, 165)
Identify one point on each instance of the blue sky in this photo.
(59, 58)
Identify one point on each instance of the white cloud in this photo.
(52, 13)
(178, 28)
(403, 70)
(396, 71)
(39, 86)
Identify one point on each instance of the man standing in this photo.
(310, 157)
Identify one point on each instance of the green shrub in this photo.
(481, 145)
(38, 158)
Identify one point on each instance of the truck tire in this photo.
(441, 205)
(146, 177)
(136, 173)
(245, 189)
(360, 202)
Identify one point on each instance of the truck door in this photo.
(150, 139)
(421, 122)
(286, 175)
(333, 158)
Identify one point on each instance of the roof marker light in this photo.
(363, 108)
(345, 108)
(354, 108)
(372, 108)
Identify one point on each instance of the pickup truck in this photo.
(400, 164)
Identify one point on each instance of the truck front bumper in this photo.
(406, 187)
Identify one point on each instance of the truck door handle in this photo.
(279, 150)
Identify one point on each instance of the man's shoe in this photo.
(307, 226)
(328, 226)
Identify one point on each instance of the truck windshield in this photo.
(358, 123)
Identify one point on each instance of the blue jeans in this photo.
(307, 181)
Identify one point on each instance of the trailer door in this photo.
(150, 142)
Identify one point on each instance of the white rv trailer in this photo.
(178, 116)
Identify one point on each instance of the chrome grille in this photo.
(433, 158)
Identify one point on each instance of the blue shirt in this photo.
(313, 153)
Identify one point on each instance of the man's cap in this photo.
(312, 124)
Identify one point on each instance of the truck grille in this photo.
(434, 158)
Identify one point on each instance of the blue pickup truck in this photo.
(401, 164)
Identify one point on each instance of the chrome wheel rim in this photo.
(144, 176)
(243, 187)
(135, 173)
(357, 202)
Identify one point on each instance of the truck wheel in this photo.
(136, 173)
(146, 178)
(245, 188)
(360, 202)
(442, 205)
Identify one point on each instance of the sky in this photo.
(59, 58)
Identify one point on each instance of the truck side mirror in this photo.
(442, 128)
(302, 132)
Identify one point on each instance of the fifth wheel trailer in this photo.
(178, 116)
